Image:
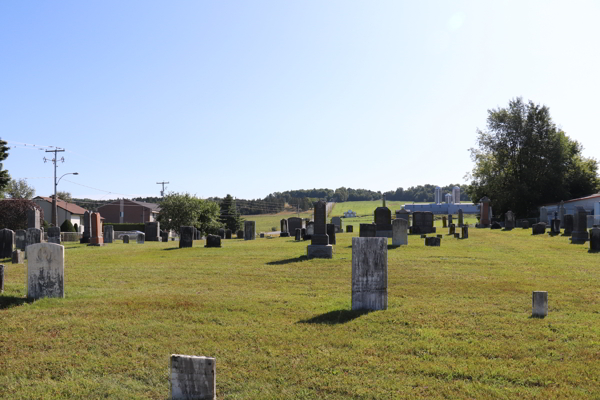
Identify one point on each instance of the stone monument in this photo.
(141, 238)
(17, 257)
(538, 229)
(54, 234)
(595, 240)
(33, 218)
(349, 229)
(152, 231)
(249, 230)
(193, 377)
(87, 227)
(369, 273)
(96, 239)
(509, 221)
(126, 239)
(320, 247)
(423, 223)
(109, 233)
(33, 236)
(580, 233)
(540, 304)
(7, 241)
(21, 239)
(331, 229)
(337, 221)
(485, 212)
(383, 221)
(186, 236)
(310, 230)
(213, 241)
(568, 222)
(367, 230)
(293, 223)
(45, 270)
(543, 215)
(561, 214)
(399, 232)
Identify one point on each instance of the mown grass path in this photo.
(458, 324)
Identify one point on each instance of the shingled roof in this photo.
(70, 207)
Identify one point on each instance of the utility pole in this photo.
(54, 160)
(162, 192)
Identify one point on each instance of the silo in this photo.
(456, 195)
(448, 198)
(438, 195)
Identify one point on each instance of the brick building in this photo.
(129, 211)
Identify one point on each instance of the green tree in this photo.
(523, 160)
(64, 196)
(183, 209)
(340, 195)
(4, 176)
(67, 226)
(19, 190)
(229, 215)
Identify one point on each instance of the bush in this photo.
(67, 226)
(127, 227)
(13, 213)
(76, 227)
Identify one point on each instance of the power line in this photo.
(162, 192)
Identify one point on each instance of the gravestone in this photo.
(193, 377)
(240, 234)
(449, 219)
(367, 230)
(433, 241)
(310, 230)
(399, 232)
(213, 241)
(7, 241)
(282, 234)
(141, 238)
(423, 222)
(152, 231)
(109, 233)
(543, 215)
(126, 239)
(337, 221)
(369, 273)
(249, 230)
(457, 236)
(580, 233)
(293, 223)
(568, 222)
(303, 232)
(320, 247)
(21, 239)
(298, 234)
(554, 227)
(461, 219)
(525, 224)
(227, 233)
(87, 227)
(590, 221)
(444, 222)
(595, 240)
(538, 229)
(164, 235)
(509, 220)
(561, 214)
(402, 213)
(33, 218)
(283, 225)
(33, 236)
(485, 213)
(17, 257)
(331, 229)
(540, 304)
(196, 233)
(221, 233)
(465, 231)
(383, 221)
(349, 229)
(45, 270)
(186, 236)
(451, 229)
(1, 278)
(54, 234)
(96, 239)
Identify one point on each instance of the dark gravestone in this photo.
(367, 230)
(221, 233)
(465, 232)
(554, 227)
(240, 234)
(509, 221)
(444, 222)
(298, 233)
(595, 240)
(21, 239)
(262, 235)
(451, 229)
(283, 225)
(525, 224)
(152, 231)
(485, 212)
(126, 239)
(538, 229)
(568, 222)
(383, 221)
(331, 233)
(423, 236)
(461, 220)
(580, 233)
(33, 218)
(1, 278)
(349, 229)
(87, 227)
(54, 234)
(227, 233)
(293, 223)
(496, 225)
(282, 234)
(186, 236)
(33, 236)
(337, 221)
(213, 241)
(457, 236)
(303, 232)
(109, 233)
(320, 247)
(433, 241)
(17, 257)
(449, 219)
(7, 240)
(249, 230)
(310, 230)
(164, 235)
(423, 222)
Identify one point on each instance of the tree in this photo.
(19, 189)
(183, 209)
(13, 213)
(67, 226)
(340, 195)
(4, 176)
(229, 215)
(64, 196)
(523, 160)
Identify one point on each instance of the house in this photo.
(590, 203)
(129, 211)
(65, 210)
(349, 214)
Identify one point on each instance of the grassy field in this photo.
(264, 222)
(362, 208)
(458, 324)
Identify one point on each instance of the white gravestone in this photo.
(369, 273)
(399, 232)
(193, 378)
(45, 270)
(141, 238)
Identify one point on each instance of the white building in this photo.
(65, 210)
(349, 214)
(590, 203)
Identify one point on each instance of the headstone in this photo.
(186, 236)
(451, 229)
(595, 239)
(293, 223)
(249, 230)
(367, 230)
(331, 229)
(109, 233)
(433, 241)
(349, 229)
(568, 222)
(320, 247)
(45, 270)
(485, 212)
(399, 232)
(554, 227)
(457, 236)
(213, 241)
(1, 278)
(590, 221)
(298, 234)
(141, 238)
(423, 222)
(310, 230)
(17, 257)
(126, 239)
(540, 304)
(87, 227)
(152, 231)
(461, 219)
(525, 224)
(196, 234)
(543, 215)
(283, 225)
(7, 241)
(369, 273)
(21, 239)
(561, 214)
(383, 221)
(33, 218)
(509, 221)
(96, 239)
(496, 225)
(303, 233)
(449, 219)
(538, 229)
(54, 234)
(282, 234)
(337, 221)
(164, 235)
(402, 213)
(444, 222)
(465, 232)
(240, 234)
(227, 233)
(221, 233)
(33, 236)
(580, 233)
(193, 378)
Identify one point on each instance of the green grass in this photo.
(363, 208)
(458, 324)
(264, 222)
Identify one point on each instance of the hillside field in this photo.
(458, 324)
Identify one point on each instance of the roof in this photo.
(70, 207)
(152, 206)
(592, 196)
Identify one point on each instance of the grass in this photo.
(364, 208)
(264, 222)
(458, 323)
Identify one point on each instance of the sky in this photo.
(251, 98)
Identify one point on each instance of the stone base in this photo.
(84, 240)
(319, 251)
(95, 244)
(481, 226)
(284, 234)
(579, 237)
(387, 234)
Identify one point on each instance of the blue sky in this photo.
(249, 98)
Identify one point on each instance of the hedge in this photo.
(126, 227)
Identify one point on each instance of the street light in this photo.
(54, 207)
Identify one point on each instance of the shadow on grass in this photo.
(593, 251)
(335, 317)
(288, 261)
(11, 301)
(392, 246)
(176, 248)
